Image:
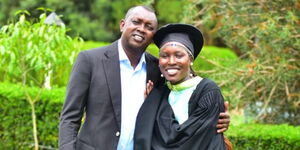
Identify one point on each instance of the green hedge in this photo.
(16, 126)
(15, 117)
(264, 137)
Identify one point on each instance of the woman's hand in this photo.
(224, 119)
(149, 87)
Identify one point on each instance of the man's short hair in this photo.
(148, 8)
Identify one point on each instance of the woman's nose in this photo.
(172, 60)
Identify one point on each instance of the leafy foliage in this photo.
(96, 20)
(267, 36)
(30, 51)
(32, 54)
(173, 12)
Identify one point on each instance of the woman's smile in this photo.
(172, 71)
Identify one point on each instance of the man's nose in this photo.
(141, 28)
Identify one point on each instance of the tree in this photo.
(96, 20)
(267, 33)
(29, 51)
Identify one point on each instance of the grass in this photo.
(209, 57)
(92, 44)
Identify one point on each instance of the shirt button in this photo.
(118, 133)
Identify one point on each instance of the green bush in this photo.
(266, 33)
(264, 137)
(15, 117)
(15, 127)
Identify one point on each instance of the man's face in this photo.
(138, 29)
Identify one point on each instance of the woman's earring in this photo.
(161, 75)
(191, 64)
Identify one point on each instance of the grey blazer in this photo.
(94, 89)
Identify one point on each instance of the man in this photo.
(108, 84)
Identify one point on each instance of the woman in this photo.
(183, 113)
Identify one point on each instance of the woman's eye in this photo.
(178, 55)
(163, 56)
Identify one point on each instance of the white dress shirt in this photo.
(133, 84)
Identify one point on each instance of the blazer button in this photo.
(118, 133)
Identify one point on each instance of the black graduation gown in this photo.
(157, 129)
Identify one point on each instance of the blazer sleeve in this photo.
(75, 102)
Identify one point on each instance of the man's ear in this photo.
(122, 24)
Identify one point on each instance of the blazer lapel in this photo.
(112, 72)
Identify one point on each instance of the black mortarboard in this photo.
(185, 34)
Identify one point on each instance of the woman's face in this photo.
(174, 64)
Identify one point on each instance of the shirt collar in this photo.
(123, 56)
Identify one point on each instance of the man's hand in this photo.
(149, 87)
(224, 119)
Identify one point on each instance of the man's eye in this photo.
(150, 28)
(135, 22)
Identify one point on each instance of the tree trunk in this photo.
(34, 126)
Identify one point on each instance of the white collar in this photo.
(123, 56)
